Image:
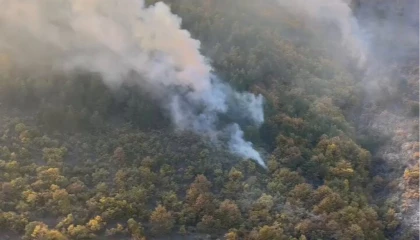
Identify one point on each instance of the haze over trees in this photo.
(81, 160)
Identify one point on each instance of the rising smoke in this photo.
(118, 37)
(383, 37)
(336, 12)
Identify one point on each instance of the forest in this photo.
(82, 160)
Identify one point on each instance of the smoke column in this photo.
(118, 37)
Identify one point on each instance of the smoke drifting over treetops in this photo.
(383, 37)
(117, 38)
(375, 33)
(335, 12)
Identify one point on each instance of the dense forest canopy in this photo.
(209, 119)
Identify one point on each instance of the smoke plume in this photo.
(383, 36)
(123, 38)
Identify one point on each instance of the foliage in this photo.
(81, 161)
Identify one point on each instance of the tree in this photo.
(12, 221)
(274, 232)
(391, 220)
(61, 199)
(301, 193)
(95, 224)
(20, 127)
(199, 199)
(65, 222)
(229, 214)
(40, 231)
(207, 224)
(54, 156)
(50, 175)
(330, 203)
(199, 186)
(161, 220)
(234, 185)
(79, 232)
(119, 155)
(231, 235)
(136, 230)
(261, 210)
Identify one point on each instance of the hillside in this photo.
(81, 159)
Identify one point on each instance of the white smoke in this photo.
(335, 12)
(239, 146)
(385, 40)
(118, 37)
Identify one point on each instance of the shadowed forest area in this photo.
(81, 160)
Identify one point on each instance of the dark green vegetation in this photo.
(80, 161)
